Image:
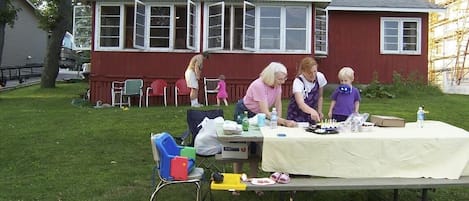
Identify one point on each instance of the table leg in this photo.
(396, 195)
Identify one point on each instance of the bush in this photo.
(413, 85)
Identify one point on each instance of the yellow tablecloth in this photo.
(438, 150)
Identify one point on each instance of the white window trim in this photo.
(222, 26)
(197, 26)
(256, 49)
(139, 3)
(318, 51)
(79, 46)
(98, 27)
(400, 36)
(97, 22)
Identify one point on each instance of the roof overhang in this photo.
(386, 9)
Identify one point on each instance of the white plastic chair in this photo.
(210, 85)
(116, 91)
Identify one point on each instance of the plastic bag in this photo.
(206, 142)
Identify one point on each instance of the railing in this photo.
(20, 72)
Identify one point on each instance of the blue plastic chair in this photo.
(164, 149)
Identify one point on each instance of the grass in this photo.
(51, 149)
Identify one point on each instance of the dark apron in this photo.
(295, 113)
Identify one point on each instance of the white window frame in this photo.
(171, 28)
(82, 21)
(138, 25)
(323, 33)
(400, 35)
(249, 26)
(220, 25)
(97, 37)
(192, 16)
(193, 12)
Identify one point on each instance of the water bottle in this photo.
(245, 121)
(420, 117)
(273, 118)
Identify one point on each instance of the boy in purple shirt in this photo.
(345, 98)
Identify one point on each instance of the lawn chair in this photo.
(132, 87)
(157, 88)
(194, 118)
(180, 89)
(164, 149)
(210, 85)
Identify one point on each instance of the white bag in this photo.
(206, 142)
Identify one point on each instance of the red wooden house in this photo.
(155, 39)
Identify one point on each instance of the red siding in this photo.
(354, 40)
(239, 70)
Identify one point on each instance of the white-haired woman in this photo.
(262, 94)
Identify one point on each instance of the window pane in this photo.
(110, 10)
(109, 42)
(159, 42)
(160, 11)
(160, 21)
(270, 12)
(270, 28)
(110, 31)
(270, 44)
(270, 22)
(160, 24)
(296, 17)
(159, 32)
(390, 40)
(296, 40)
(390, 46)
(238, 26)
(110, 21)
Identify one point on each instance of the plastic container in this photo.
(273, 118)
(420, 117)
(231, 182)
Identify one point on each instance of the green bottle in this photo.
(245, 121)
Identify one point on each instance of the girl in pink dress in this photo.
(222, 94)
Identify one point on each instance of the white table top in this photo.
(438, 150)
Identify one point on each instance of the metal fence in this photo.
(20, 73)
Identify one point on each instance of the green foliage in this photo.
(411, 86)
(377, 90)
(8, 13)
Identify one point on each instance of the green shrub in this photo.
(413, 85)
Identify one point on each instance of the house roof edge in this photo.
(385, 9)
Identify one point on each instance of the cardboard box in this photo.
(387, 121)
(238, 150)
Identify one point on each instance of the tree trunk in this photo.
(51, 64)
(3, 5)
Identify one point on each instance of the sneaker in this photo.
(197, 105)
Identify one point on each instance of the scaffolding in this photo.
(448, 44)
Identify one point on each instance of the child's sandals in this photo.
(281, 178)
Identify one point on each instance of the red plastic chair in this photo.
(157, 88)
(180, 89)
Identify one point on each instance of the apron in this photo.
(311, 99)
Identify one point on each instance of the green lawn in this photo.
(51, 149)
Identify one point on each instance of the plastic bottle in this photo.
(245, 121)
(273, 118)
(420, 117)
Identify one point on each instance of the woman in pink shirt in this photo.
(262, 94)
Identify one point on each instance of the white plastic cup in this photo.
(261, 119)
